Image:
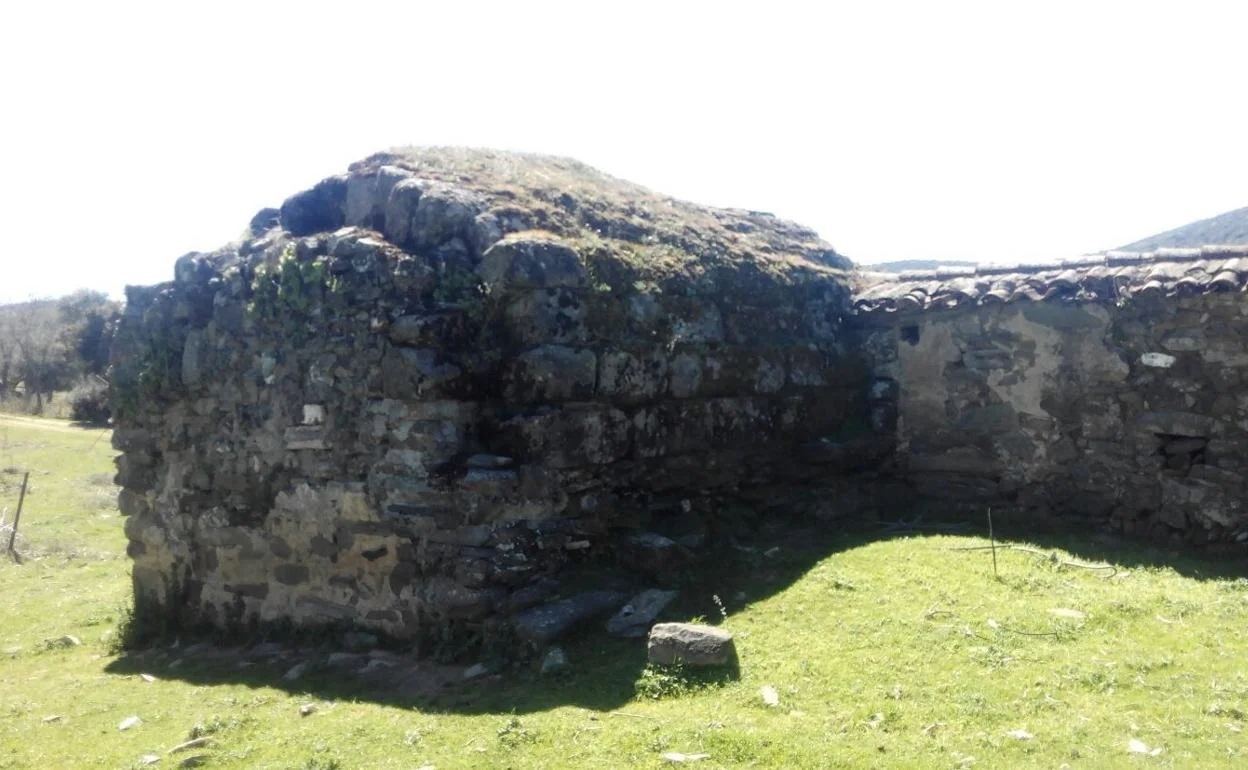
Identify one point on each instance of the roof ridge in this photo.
(1111, 258)
(1110, 275)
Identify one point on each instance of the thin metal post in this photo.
(991, 537)
(21, 498)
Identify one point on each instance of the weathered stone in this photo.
(399, 211)
(131, 503)
(191, 358)
(305, 437)
(488, 461)
(344, 660)
(133, 440)
(291, 574)
(476, 671)
(555, 316)
(552, 373)
(530, 595)
(1158, 360)
(368, 195)
(320, 209)
(553, 661)
(1184, 446)
(531, 263)
(543, 624)
(497, 482)
(418, 373)
(263, 221)
(443, 212)
(689, 644)
(652, 554)
(445, 330)
(631, 377)
(1177, 424)
(588, 435)
(686, 375)
(634, 619)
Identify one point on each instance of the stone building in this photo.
(1110, 393)
(421, 392)
(443, 393)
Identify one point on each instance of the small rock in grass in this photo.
(12, 652)
(197, 760)
(1136, 746)
(1020, 734)
(306, 709)
(196, 743)
(676, 757)
(343, 660)
(62, 642)
(556, 660)
(148, 759)
(296, 671)
(472, 672)
(129, 722)
(52, 718)
(147, 678)
(770, 697)
(266, 649)
(689, 643)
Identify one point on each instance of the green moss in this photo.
(291, 290)
(459, 287)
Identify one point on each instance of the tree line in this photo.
(54, 345)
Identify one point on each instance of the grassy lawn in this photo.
(899, 652)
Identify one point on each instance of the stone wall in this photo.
(400, 406)
(1112, 394)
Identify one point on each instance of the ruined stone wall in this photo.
(393, 408)
(1118, 401)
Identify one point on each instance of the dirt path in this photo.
(43, 423)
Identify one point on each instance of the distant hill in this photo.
(1231, 227)
(904, 265)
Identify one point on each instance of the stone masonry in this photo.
(1108, 394)
(461, 397)
(418, 395)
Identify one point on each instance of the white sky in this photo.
(1000, 131)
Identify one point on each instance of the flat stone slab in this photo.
(634, 618)
(543, 624)
(690, 644)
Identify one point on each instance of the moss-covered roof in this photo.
(625, 232)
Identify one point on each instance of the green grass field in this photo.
(898, 652)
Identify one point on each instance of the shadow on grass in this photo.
(604, 673)
(607, 673)
(1224, 563)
